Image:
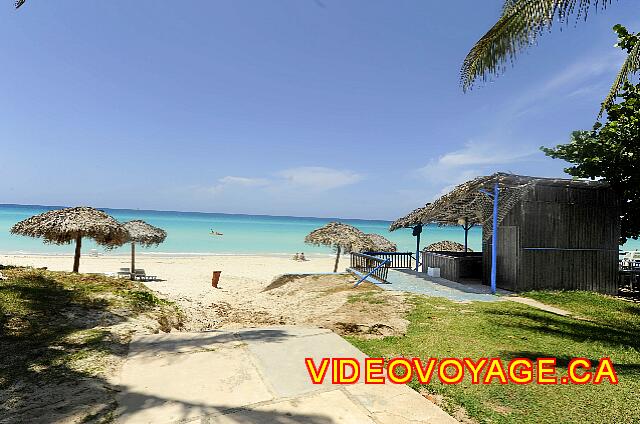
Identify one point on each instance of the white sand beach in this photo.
(251, 295)
(240, 299)
(187, 271)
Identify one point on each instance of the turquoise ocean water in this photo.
(188, 233)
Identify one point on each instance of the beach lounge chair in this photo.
(124, 272)
(141, 275)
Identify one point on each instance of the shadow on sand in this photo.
(39, 384)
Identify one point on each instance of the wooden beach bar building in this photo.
(552, 233)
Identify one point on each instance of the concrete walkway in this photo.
(535, 304)
(254, 376)
(421, 283)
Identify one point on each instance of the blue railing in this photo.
(370, 266)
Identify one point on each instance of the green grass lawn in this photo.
(604, 327)
(61, 330)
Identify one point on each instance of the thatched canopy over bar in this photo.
(144, 234)
(410, 220)
(446, 246)
(381, 243)
(466, 201)
(62, 226)
(546, 233)
(344, 236)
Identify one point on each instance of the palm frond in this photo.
(630, 66)
(19, 3)
(508, 4)
(521, 23)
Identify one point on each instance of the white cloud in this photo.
(318, 178)
(307, 178)
(497, 149)
(472, 160)
(243, 181)
(583, 77)
(476, 153)
(234, 182)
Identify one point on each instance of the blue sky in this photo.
(295, 107)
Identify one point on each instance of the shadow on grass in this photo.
(566, 327)
(562, 361)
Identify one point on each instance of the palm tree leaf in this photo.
(521, 23)
(630, 66)
(508, 4)
(19, 3)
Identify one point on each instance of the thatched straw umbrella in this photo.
(381, 243)
(446, 246)
(63, 226)
(144, 234)
(341, 236)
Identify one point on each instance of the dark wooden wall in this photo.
(558, 238)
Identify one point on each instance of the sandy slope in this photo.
(241, 300)
(251, 295)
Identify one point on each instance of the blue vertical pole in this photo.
(418, 252)
(494, 239)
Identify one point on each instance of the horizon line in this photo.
(200, 212)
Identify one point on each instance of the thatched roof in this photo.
(410, 220)
(335, 234)
(382, 244)
(446, 246)
(144, 234)
(467, 201)
(62, 226)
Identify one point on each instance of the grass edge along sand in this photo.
(602, 326)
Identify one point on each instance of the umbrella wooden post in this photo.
(466, 225)
(133, 260)
(466, 240)
(76, 256)
(335, 268)
(417, 230)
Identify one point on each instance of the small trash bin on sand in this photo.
(215, 278)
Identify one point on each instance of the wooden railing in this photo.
(454, 265)
(365, 264)
(399, 260)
